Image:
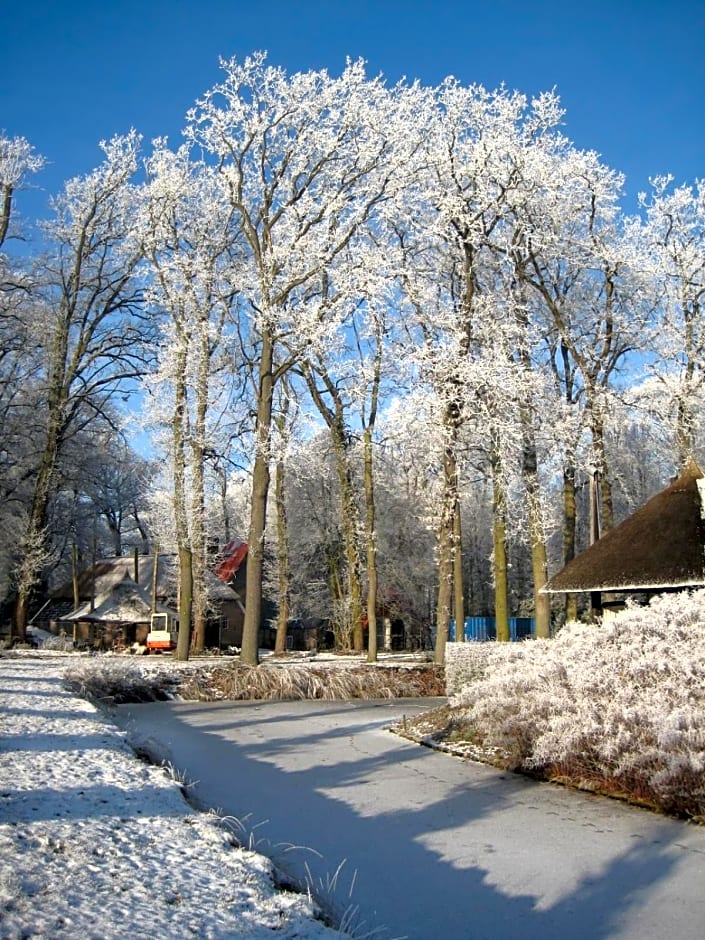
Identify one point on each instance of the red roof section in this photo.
(234, 554)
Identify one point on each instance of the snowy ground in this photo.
(96, 844)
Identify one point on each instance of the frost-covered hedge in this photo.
(619, 706)
(465, 663)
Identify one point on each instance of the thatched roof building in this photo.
(107, 573)
(123, 602)
(115, 596)
(660, 547)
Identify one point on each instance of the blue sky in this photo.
(631, 73)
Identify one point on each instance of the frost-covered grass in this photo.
(618, 708)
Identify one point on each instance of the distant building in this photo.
(661, 547)
(115, 604)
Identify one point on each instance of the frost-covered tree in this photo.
(20, 332)
(453, 241)
(303, 159)
(185, 231)
(674, 241)
(578, 262)
(94, 342)
(18, 159)
(345, 382)
(116, 481)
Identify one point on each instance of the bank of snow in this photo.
(97, 844)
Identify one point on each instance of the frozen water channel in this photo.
(426, 845)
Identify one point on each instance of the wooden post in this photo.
(155, 574)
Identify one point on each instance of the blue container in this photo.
(480, 629)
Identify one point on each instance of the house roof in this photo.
(234, 555)
(660, 546)
(109, 572)
(124, 602)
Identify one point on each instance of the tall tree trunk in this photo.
(499, 542)
(530, 468)
(606, 503)
(569, 528)
(371, 542)
(685, 418)
(445, 585)
(282, 557)
(249, 653)
(542, 602)
(185, 600)
(597, 428)
(74, 576)
(198, 499)
(352, 556)
(198, 554)
(539, 563)
(179, 500)
(335, 420)
(445, 547)
(458, 580)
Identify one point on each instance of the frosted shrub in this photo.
(468, 662)
(60, 644)
(619, 706)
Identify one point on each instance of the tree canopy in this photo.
(425, 308)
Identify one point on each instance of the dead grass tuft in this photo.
(117, 682)
(235, 682)
(113, 682)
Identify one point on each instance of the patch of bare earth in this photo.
(445, 729)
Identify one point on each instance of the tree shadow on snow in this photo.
(425, 845)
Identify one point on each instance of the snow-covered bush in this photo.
(58, 644)
(619, 707)
(466, 663)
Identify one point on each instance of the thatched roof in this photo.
(109, 572)
(124, 602)
(102, 577)
(660, 546)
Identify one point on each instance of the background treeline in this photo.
(398, 339)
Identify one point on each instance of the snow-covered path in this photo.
(432, 846)
(97, 845)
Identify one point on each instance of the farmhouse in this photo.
(661, 547)
(115, 603)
